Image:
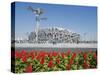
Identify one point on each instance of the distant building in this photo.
(54, 35)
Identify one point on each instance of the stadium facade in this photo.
(54, 35)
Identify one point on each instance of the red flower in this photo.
(49, 54)
(73, 55)
(17, 54)
(42, 61)
(32, 57)
(30, 54)
(50, 64)
(43, 54)
(23, 52)
(68, 67)
(71, 61)
(24, 59)
(38, 57)
(69, 51)
(58, 61)
(62, 55)
(85, 65)
(85, 56)
(28, 68)
(54, 54)
(94, 56)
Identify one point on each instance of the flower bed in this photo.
(40, 61)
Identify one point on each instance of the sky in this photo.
(79, 19)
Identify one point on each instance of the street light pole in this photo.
(37, 26)
(37, 13)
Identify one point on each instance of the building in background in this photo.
(54, 35)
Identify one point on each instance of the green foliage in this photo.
(77, 62)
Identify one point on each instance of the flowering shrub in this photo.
(40, 61)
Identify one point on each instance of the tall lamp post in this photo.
(37, 13)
